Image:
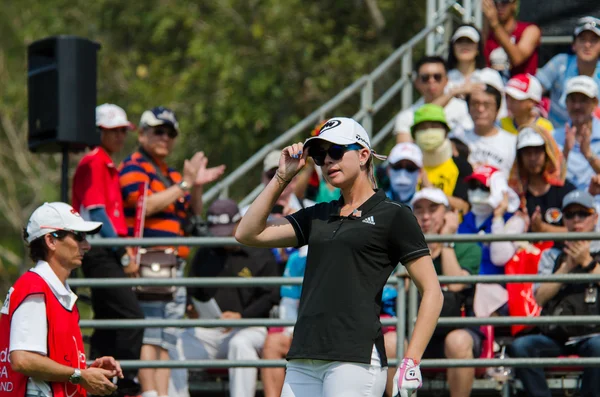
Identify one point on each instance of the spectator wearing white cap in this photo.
(431, 80)
(40, 339)
(97, 196)
(404, 171)
(488, 143)
(466, 54)
(431, 208)
(538, 177)
(523, 95)
(584, 62)
(580, 138)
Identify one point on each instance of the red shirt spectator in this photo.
(511, 45)
(96, 185)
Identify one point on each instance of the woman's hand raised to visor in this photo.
(292, 159)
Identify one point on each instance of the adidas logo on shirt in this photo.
(370, 220)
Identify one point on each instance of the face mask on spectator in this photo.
(404, 183)
(430, 138)
(480, 202)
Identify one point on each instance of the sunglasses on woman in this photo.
(335, 152)
(581, 214)
(78, 236)
(160, 131)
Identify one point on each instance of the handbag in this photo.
(157, 264)
(572, 300)
(454, 306)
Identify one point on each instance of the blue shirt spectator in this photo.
(579, 170)
(553, 77)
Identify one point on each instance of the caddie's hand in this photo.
(292, 159)
(407, 379)
(109, 363)
(97, 381)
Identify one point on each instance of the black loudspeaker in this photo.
(61, 83)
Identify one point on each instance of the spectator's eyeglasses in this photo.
(425, 77)
(503, 1)
(160, 131)
(336, 152)
(78, 236)
(408, 167)
(581, 214)
(474, 185)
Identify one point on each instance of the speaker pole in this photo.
(64, 175)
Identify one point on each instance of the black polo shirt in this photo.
(349, 261)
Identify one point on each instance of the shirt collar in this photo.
(103, 155)
(365, 207)
(62, 291)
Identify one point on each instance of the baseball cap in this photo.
(111, 116)
(587, 23)
(489, 77)
(580, 197)
(582, 84)
(528, 137)
(429, 112)
(159, 115)
(222, 216)
(432, 194)
(483, 174)
(272, 160)
(344, 131)
(467, 31)
(406, 151)
(524, 86)
(50, 217)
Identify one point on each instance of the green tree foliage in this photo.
(237, 72)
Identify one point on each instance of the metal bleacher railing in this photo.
(402, 303)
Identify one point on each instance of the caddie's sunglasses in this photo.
(335, 152)
(160, 131)
(425, 77)
(78, 236)
(581, 214)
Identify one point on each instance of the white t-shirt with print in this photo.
(457, 116)
(498, 150)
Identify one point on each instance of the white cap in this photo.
(587, 23)
(582, 84)
(111, 116)
(272, 160)
(50, 217)
(490, 77)
(344, 131)
(466, 31)
(406, 151)
(528, 137)
(524, 86)
(432, 194)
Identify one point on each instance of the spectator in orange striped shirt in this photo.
(171, 198)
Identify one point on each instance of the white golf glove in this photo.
(407, 378)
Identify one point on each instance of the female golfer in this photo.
(354, 244)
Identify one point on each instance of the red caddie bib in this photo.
(65, 344)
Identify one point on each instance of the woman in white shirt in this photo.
(465, 56)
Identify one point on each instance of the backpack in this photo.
(572, 300)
